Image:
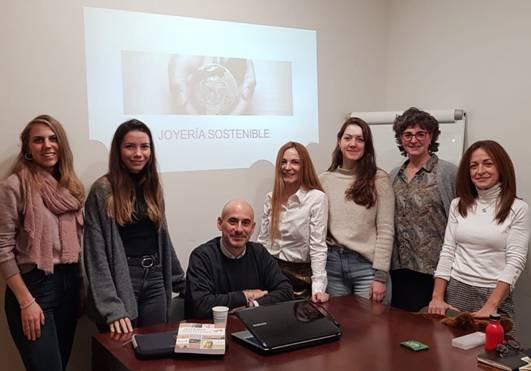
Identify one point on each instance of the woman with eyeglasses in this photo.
(131, 265)
(487, 237)
(360, 217)
(424, 187)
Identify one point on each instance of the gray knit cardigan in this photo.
(110, 292)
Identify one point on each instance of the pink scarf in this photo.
(57, 199)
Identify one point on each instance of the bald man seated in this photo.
(231, 271)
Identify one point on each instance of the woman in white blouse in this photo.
(485, 244)
(293, 227)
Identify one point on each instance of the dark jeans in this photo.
(58, 296)
(150, 294)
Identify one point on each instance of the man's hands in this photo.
(254, 294)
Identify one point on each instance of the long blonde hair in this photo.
(307, 179)
(64, 169)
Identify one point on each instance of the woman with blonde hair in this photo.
(360, 217)
(40, 229)
(129, 258)
(486, 240)
(293, 227)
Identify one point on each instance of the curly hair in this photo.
(412, 117)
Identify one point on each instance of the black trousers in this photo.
(411, 290)
(58, 296)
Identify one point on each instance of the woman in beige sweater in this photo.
(360, 217)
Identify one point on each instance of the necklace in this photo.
(488, 206)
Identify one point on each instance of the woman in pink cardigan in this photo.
(40, 228)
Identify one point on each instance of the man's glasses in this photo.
(419, 136)
(509, 347)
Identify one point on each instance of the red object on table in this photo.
(493, 332)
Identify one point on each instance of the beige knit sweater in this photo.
(366, 231)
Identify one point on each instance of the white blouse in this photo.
(301, 236)
(480, 252)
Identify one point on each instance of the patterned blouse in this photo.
(420, 219)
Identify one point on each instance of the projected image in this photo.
(211, 86)
(215, 94)
(155, 83)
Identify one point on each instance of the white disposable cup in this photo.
(220, 314)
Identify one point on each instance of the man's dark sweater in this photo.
(214, 279)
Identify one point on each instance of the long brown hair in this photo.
(467, 192)
(64, 169)
(307, 179)
(120, 204)
(363, 189)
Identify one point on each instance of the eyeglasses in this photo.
(509, 347)
(419, 135)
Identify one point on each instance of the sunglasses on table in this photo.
(508, 348)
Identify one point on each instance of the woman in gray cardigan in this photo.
(129, 258)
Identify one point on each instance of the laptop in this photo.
(286, 326)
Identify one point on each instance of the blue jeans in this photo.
(150, 294)
(58, 296)
(350, 273)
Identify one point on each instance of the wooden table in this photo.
(370, 341)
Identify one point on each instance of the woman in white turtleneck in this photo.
(486, 239)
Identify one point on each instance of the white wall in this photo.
(42, 70)
(475, 55)
(372, 55)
